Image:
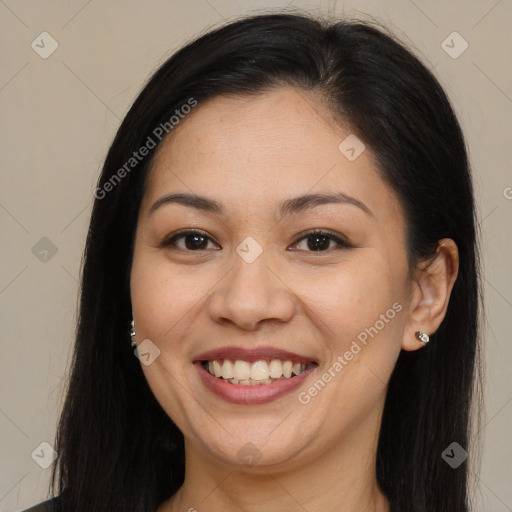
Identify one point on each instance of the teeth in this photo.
(227, 370)
(287, 369)
(242, 370)
(249, 382)
(276, 369)
(258, 372)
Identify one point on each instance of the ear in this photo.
(430, 293)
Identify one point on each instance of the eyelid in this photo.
(340, 240)
(184, 232)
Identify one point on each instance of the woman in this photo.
(285, 228)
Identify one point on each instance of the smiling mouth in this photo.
(255, 373)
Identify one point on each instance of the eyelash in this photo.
(171, 242)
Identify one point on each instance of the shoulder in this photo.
(46, 506)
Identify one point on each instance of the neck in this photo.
(342, 478)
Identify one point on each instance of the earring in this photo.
(132, 334)
(423, 337)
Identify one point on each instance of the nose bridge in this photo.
(251, 292)
(250, 273)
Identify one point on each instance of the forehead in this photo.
(276, 144)
(275, 127)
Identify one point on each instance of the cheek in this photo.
(163, 300)
(351, 297)
(360, 312)
(167, 300)
(160, 297)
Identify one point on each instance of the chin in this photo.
(259, 447)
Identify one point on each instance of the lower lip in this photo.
(251, 395)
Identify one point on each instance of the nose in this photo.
(251, 294)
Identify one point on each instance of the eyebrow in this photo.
(287, 207)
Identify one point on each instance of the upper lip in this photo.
(252, 354)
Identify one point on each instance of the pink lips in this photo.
(252, 395)
(252, 354)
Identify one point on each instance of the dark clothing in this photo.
(46, 506)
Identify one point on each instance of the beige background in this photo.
(59, 116)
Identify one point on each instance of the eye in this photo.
(193, 240)
(320, 241)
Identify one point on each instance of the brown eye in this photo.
(191, 240)
(321, 241)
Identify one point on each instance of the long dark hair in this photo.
(117, 448)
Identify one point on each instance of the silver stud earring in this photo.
(423, 337)
(132, 334)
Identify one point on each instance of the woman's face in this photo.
(254, 296)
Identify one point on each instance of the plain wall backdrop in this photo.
(62, 97)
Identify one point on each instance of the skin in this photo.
(249, 154)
